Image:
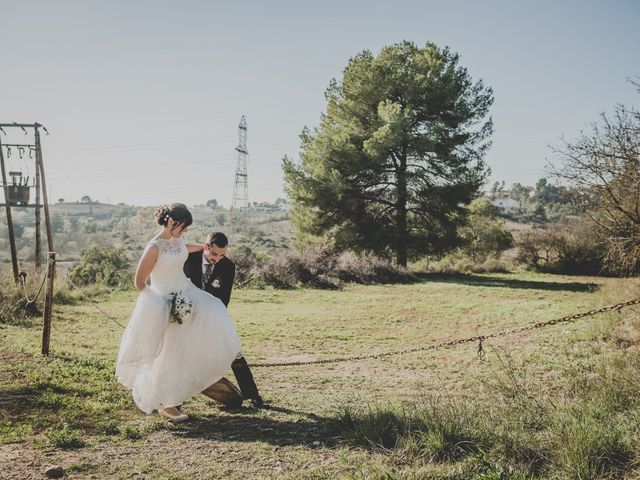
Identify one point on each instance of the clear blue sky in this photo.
(143, 98)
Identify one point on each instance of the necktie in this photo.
(208, 270)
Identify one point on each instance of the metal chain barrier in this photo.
(23, 280)
(476, 338)
(73, 285)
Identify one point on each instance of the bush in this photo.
(289, 271)
(484, 236)
(460, 262)
(483, 239)
(107, 266)
(63, 294)
(368, 269)
(316, 267)
(570, 248)
(14, 307)
(245, 261)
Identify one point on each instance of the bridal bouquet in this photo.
(180, 307)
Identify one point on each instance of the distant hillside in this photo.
(95, 210)
(76, 225)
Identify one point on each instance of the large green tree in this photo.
(398, 152)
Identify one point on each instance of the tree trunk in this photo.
(401, 213)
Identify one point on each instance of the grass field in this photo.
(558, 402)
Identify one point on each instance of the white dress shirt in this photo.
(205, 263)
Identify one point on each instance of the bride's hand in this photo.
(192, 247)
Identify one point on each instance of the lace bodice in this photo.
(167, 274)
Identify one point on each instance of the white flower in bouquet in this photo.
(180, 307)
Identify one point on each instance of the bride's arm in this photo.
(194, 247)
(145, 265)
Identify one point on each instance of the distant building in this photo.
(285, 206)
(506, 203)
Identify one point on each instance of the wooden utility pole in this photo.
(12, 240)
(48, 303)
(47, 218)
(22, 198)
(38, 252)
(40, 186)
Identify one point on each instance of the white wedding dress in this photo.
(164, 363)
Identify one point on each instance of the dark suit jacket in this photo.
(221, 281)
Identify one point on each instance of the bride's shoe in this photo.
(173, 414)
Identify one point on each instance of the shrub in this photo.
(14, 307)
(459, 262)
(484, 236)
(571, 248)
(245, 261)
(318, 268)
(63, 294)
(284, 272)
(368, 268)
(107, 266)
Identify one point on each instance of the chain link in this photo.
(23, 280)
(450, 343)
(73, 285)
(480, 352)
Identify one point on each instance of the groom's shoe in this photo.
(246, 383)
(257, 402)
(173, 414)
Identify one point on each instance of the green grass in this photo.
(62, 436)
(559, 402)
(591, 435)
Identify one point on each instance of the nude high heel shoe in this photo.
(173, 415)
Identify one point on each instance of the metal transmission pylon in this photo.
(240, 204)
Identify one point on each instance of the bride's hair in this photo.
(177, 211)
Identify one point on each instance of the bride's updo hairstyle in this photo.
(176, 211)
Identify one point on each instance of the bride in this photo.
(164, 359)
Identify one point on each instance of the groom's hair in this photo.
(218, 239)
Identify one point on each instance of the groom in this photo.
(213, 272)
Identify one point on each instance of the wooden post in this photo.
(48, 303)
(38, 254)
(45, 201)
(12, 240)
